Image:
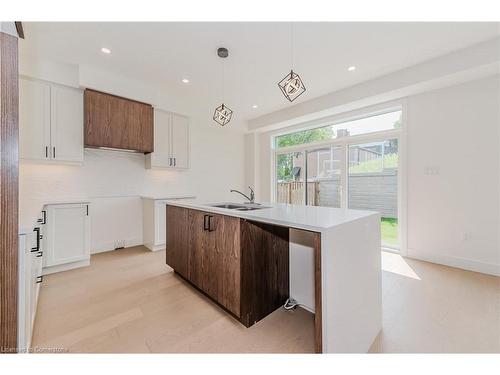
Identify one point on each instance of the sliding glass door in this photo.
(324, 176)
(373, 184)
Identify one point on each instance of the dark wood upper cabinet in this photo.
(115, 122)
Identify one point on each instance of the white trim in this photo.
(453, 261)
(110, 245)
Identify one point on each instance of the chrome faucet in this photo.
(251, 198)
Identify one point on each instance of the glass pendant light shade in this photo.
(292, 86)
(222, 115)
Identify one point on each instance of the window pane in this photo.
(324, 177)
(290, 178)
(373, 184)
(376, 123)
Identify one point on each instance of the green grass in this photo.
(375, 165)
(389, 229)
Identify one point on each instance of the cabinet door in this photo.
(161, 157)
(115, 122)
(197, 247)
(180, 141)
(177, 239)
(34, 120)
(67, 234)
(227, 243)
(66, 124)
(160, 223)
(221, 261)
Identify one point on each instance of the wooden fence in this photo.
(376, 191)
(293, 192)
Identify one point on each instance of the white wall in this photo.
(114, 181)
(453, 216)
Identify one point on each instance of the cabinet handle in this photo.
(39, 279)
(205, 222)
(46, 151)
(210, 223)
(54, 151)
(43, 220)
(37, 248)
(169, 162)
(175, 162)
(87, 210)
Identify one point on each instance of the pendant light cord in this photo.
(291, 45)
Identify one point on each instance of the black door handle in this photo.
(205, 222)
(43, 220)
(210, 223)
(40, 254)
(37, 248)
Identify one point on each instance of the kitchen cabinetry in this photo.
(171, 141)
(50, 122)
(30, 279)
(241, 265)
(154, 221)
(67, 237)
(117, 123)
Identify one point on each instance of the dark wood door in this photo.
(264, 269)
(177, 246)
(115, 122)
(197, 243)
(227, 244)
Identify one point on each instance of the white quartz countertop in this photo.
(166, 197)
(312, 218)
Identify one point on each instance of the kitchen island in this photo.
(249, 260)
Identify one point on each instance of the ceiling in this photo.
(259, 54)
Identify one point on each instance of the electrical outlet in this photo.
(119, 244)
(432, 170)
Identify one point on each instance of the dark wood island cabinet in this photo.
(240, 264)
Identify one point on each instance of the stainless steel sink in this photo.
(238, 207)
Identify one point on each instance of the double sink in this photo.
(239, 207)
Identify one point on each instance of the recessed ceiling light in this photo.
(185, 80)
(105, 50)
(255, 106)
(351, 68)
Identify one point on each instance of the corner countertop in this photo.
(312, 218)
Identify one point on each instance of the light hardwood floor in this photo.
(130, 301)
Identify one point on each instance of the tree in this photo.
(305, 136)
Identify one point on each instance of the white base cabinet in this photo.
(154, 221)
(30, 279)
(50, 122)
(67, 237)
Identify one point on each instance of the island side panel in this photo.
(318, 315)
(351, 286)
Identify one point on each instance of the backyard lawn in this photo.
(389, 229)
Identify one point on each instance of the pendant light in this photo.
(222, 114)
(291, 85)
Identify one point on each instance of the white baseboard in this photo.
(65, 267)
(155, 247)
(457, 262)
(110, 245)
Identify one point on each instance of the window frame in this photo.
(345, 142)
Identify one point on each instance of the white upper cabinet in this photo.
(34, 120)
(171, 141)
(180, 141)
(66, 124)
(50, 122)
